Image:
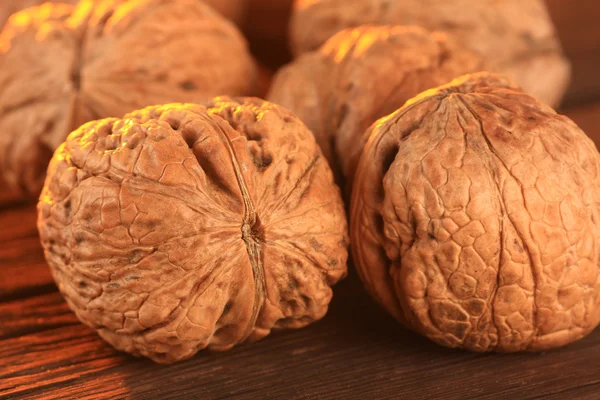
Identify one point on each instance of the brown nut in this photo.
(516, 37)
(230, 9)
(361, 75)
(183, 227)
(62, 66)
(474, 219)
(9, 7)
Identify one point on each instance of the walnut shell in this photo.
(234, 10)
(361, 75)
(9, 7)
(474, 219)
(516, 37)
(62, 66)
(182, 227)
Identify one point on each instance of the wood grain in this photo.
(356, 352)
(19, 223)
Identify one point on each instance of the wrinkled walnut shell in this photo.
(62, 66)
(183, 227)
(361, 75)
(516, 37)
(474, 219)
(9, 7)
(234, 10)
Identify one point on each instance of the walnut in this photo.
(516, 37)
(474, 219)
(231, 9)
(361, 75)
(9, 7)
(62, 66)
(183, 227)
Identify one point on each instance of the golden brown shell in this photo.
(361, 75)
(516, 37)
(61, 66)
(474, 219)
(183, 227)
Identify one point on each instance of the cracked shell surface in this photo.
(474, 219)
(516, 37)
(62, 66)
(183, 227)
(361, 75)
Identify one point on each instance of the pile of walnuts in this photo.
(516, 37)
(175, 221)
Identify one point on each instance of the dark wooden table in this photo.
(355, 352)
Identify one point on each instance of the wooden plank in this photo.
(357, 351)
(37, 361)
(17, 222)
(8, 197)
(23, 269)
(34, 314)
(584, 392)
